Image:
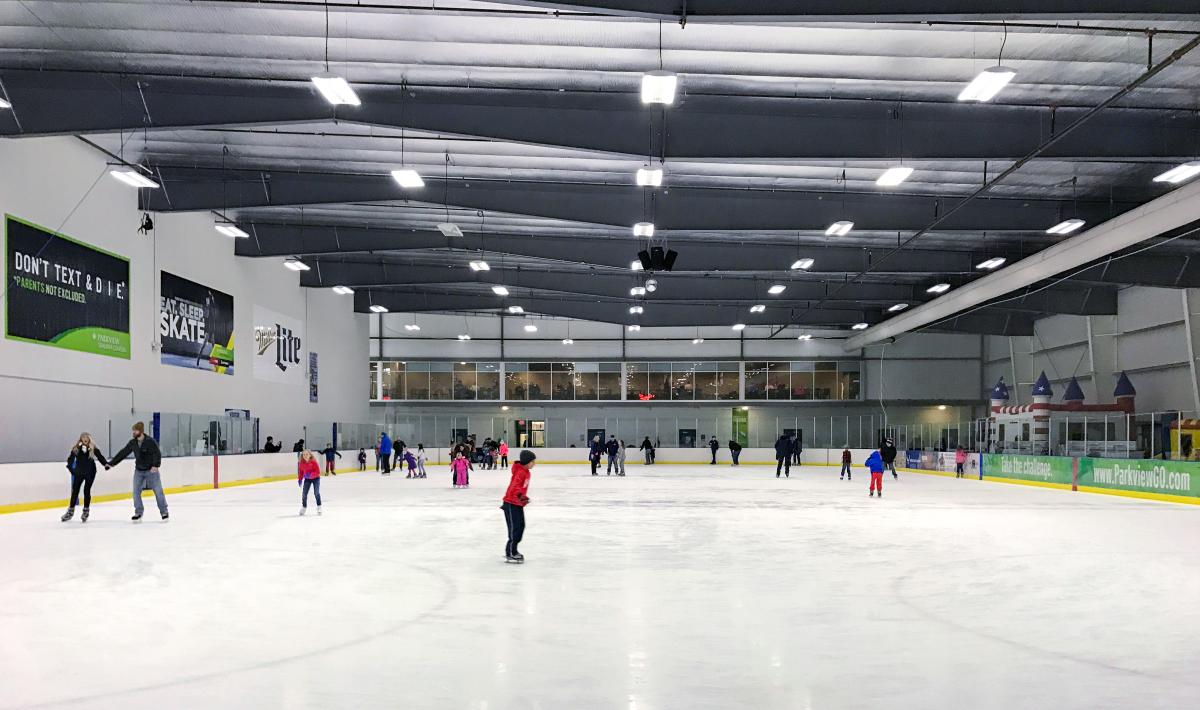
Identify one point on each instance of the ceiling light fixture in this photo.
(776, 289)
(336, 90)
(658, 87)
(635, 266)
(643, 229)
(1066, 227)
(987, 84)
(343, 290)
(133, 178)
(516, 310)
(500, 290)
(802, 264)
(375, 308)
(412, 327)
(839, 229)
(897, 308)
(4, 104)
(649, 177)
(530, 328)
(804, 336)
(634, 328)
(938, 288)
(739, 326)
(697, 341)
(449, 229)
(230, 229)
(859, 326)
(991, 264)
(757, 308)
(894, 176)
(651, 285)
(1181, 173)
(295, 265)
(480, 266)
(636, 310)
(464, 336)
(407, 177)
(637, 291)
(568, 341)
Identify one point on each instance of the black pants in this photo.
(387, 463)
(504, 460)
(890, 466)
(86, 481)
(595, 464)
(783, 463)
(714, 453)
(514, 518)
(734, 454)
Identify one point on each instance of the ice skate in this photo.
(303, 511)
(68, 515)
(318, 510)
(512, 560)
(83, 518)
(137, 517)
(166, 517)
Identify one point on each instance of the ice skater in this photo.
(960, 460)
(308, 475)
(362, 459)
(82, 465)
(611, 449)
(411, 462)
(146, 459)
(515, 500)
(735, 450)
(783, 456)
(385, 453)
(714, 446)
(503, 448)
(875, 463)
(846, 460)
(329, 452)
(621, 457)
(888, 452)
(595, 451)
(421, 456)
(459, 469)
(648, 448)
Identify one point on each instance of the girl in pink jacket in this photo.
(960, 459)
(459, 467)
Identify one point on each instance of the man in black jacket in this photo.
(735, 450)
(611, 449)
(887, 451)
(649, 449)
(713, 446)
(783, 456)
(146, 460)
(272, 446)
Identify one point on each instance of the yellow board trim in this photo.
(109, 497)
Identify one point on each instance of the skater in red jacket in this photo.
(308, 475)
(515, 500)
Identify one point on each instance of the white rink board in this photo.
(674, 587)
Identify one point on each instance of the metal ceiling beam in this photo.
(694, 254)
(193, 189)
(874, 10)
(70, 102)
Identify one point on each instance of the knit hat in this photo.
(527, 457)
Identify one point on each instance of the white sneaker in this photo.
(302, 510)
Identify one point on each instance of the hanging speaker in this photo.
(669, 259)
(644, 257)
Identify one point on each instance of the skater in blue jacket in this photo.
(875, 464)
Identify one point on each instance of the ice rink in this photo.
(677, 587)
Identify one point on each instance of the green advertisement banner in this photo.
(63, 292)
(1044, 469)
(741, 426)
(1176, 478)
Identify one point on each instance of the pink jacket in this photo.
(308, 469)
(960, 456)
(460, 465)
(503, 449)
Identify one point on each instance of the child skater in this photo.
(330, 452)
(515, 500)
(362, 459)
(875, 463)
(621, 458)
(421, 456)
(82, 465)
(503, 449)
(845, 465)
(308, 475)
(960, 460)
(459, 467)
(412, 463)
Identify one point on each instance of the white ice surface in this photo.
(676, 587)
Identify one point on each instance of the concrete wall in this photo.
(1147, 338)
(50, 395)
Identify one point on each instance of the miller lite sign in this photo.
(278, 347)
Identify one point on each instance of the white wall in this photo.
(62, 184)
(1148, 340)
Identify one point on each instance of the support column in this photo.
(1191, 308)
(1102, 355)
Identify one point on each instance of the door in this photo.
(593, 433)
(687, 438)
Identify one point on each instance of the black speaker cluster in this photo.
(657, 259)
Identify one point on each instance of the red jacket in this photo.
(846, 456)
(518, 487)
(308, 469)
